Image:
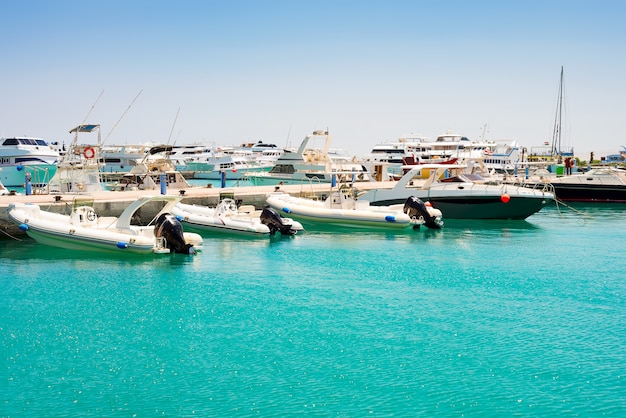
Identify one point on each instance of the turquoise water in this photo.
(490, 318)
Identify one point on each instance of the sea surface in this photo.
(482, 318)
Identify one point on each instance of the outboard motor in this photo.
(275, 222)
(415, 208)
(169, 227)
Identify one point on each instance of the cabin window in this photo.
(29, 159)
(282, 169)
(10, 141)
(315, 176)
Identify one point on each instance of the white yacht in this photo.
(122, 158)
(192, 157)
(27, 157)
(503, 157)
(232, 167)
(263, 153)
(268, 157)
(313, 166)
(452, 146)
(402, 151)
(79, 171)
(154, 171)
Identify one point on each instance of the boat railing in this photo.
(310, 193)
(39, 178)
(542, 186)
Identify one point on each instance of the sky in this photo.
(230, 72)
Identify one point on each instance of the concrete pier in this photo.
(113, 203)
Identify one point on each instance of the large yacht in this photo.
(315, 165)
(399, 152)
(26, 157)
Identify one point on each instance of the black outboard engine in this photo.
(169, 227)
(415, 208)
(275, 222)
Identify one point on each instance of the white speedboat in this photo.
(461, 195)
(605, 184)
(341, 209)
(25, 158)
(84, 230)
(226, 217)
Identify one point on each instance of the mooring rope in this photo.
(9, 235)
(582, 214)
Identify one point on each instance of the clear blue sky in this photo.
(276, 70)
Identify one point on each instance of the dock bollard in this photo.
(27, 185)
(163, 184)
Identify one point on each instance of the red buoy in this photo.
(505, 198)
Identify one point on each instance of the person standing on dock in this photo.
(569, 163)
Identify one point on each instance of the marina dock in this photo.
(112, 203)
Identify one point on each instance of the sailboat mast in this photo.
(556, 134)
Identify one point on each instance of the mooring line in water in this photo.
(578, 212)
(9, 235)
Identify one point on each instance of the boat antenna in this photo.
(482, 137)
(173, 125)
(75, 139)
(288, 137)
(120, 119)
(92, 107)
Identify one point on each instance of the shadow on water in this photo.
(357, 236)
(578, 213)
(456, 224)
(29, 249)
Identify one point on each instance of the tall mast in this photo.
(556, 134)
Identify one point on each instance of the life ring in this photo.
(89, 153)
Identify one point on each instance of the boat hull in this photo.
(315, 213)
(481, 207)
(601, 185)
(225, 219)
(473, 201)
(40, 175)
(83, 230)
(271, 180)
(573, 193)
(220, 225)
(86, 243)
(584, 193)
(239, 174)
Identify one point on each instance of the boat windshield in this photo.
(463, 178)
(24, 141)
(283, 169)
